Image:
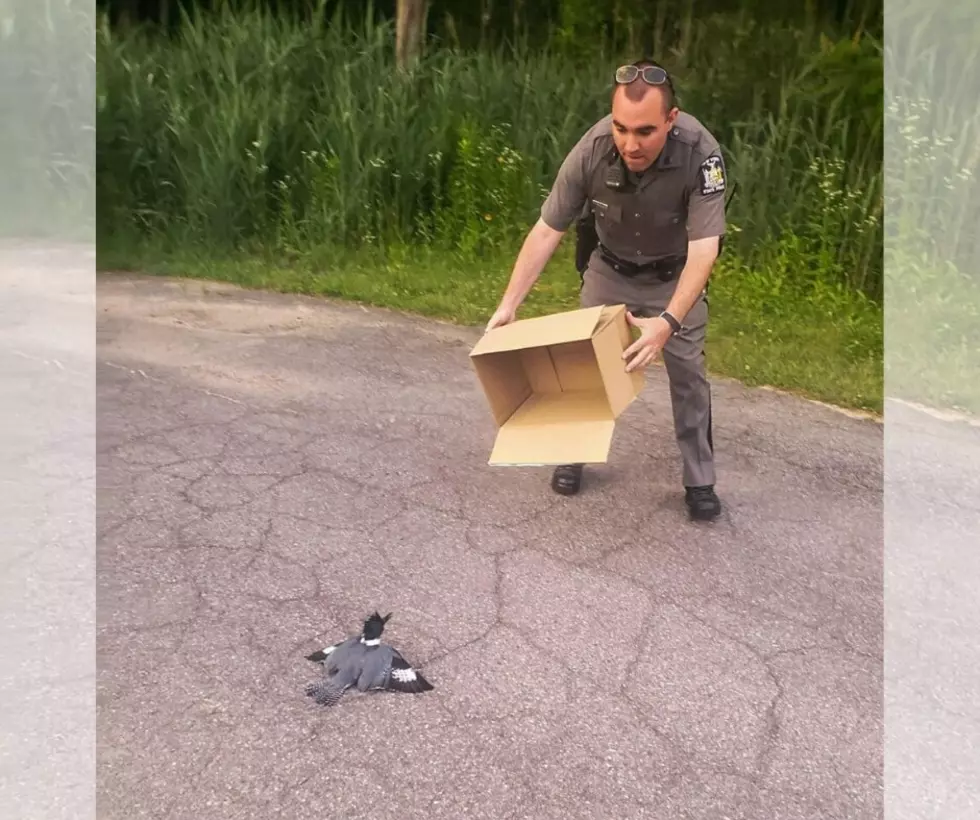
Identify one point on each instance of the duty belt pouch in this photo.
(670, 269)
(586, 241)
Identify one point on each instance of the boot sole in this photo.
(563, 487)
(704, 515)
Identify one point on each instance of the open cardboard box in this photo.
(556, 385)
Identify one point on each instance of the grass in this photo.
(247, 126)
(825, 344)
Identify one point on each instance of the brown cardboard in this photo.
(556, 385)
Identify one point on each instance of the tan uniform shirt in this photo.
(678, 199)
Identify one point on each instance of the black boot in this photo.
(702, 503)
(567, 479)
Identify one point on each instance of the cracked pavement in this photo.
(272, 468)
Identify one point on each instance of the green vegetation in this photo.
(279, 153)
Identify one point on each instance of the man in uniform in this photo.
(653, 179)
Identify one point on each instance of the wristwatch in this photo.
(675, 326)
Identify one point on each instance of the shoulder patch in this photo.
(712, 175)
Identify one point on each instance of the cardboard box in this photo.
(556, 385)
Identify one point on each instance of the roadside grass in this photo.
(824, 343)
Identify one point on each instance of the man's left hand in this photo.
(654, 334)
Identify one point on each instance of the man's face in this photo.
(640, 126)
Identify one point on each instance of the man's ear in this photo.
(673, 115)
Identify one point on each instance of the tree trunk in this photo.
(410, 31)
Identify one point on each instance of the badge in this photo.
(712, 175)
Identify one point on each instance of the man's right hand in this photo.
(503, 316)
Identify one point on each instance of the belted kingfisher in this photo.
(366, 663)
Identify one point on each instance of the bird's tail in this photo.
(326, 692)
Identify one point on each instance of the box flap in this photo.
(570, 326)
(556, 429)
(609, 342)
(612, 313)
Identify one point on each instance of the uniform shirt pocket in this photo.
(609, 213)
(667, 219)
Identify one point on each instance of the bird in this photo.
(363, 661)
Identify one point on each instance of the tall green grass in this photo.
(250, 129)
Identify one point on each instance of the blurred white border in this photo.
(47, 409)
(932, 435)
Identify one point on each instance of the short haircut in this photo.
(667, 89)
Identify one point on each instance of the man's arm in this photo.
(539, 245)
(563, 205)
(705, 227)
(656, 332)
(706, 224)
(701, 256)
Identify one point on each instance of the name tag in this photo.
(605, 211)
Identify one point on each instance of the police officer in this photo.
(651, 180)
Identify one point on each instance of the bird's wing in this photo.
(330, 652)
(321, 654)
(403, 677)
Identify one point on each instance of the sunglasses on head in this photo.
(651, 74)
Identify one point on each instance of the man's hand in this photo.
(503, 316)
(654, 334)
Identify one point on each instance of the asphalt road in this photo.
(271, 469)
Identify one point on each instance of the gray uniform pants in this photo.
(683, 356)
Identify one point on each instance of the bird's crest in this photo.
(374, 626)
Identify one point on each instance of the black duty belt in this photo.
(665, 269)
